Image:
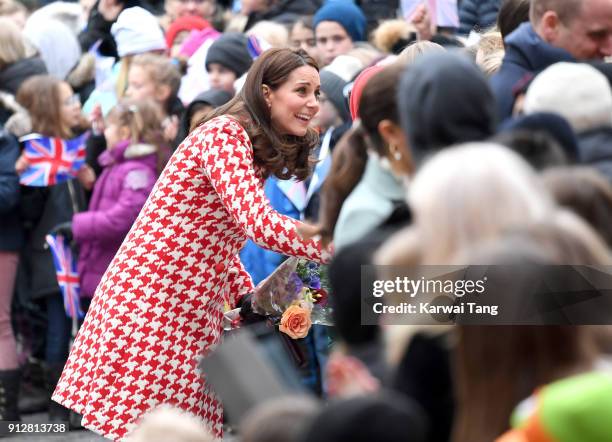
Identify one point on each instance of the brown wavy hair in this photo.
(284, 156)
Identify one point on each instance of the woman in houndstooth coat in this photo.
(160, 304)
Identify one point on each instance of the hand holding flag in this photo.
(66, 271)
(49, 161)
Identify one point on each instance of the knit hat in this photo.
(553, 124)
(444, 99)
(579, 92)
(230, 51)
(358, 86)
(572, 409)
(345, 13)
(334, 79)
(136, 31)
(185, 23)
(212, 97)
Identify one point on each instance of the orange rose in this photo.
(295, 322)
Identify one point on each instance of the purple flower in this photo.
(315, 282)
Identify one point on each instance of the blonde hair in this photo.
(142, 117)
(410, 53)
(273, 33)
(9, 7)
(122, 77)
(490, 52)
(161, 71)
(466, 194)
(12, 45)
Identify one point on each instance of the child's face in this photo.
(221, 78)
(178, 42)
(115, 133)
(140, 84)
(70, 106)
(328, 115)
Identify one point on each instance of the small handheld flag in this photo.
(66, 271)
(52, 160)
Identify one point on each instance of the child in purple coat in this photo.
(130, 169)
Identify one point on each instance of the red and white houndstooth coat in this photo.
(160, 304)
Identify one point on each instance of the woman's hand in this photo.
(170, 126)
(21, 164)
(422, 22)
(347, 376)
(110, 9)
(96, 119)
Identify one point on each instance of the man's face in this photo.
(588, 36)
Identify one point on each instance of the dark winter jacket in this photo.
(377, 11)
(284, 12)
(11, 231)
(119, 193)
(526, 53)
(477, 15)
(595, 149)
(43, 208)
(16, 73)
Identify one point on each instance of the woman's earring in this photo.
(396, 153)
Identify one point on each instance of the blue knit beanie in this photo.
(347, 14)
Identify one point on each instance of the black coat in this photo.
(424, 373)
(16, 73)
(11, 231)
(43, 208)
(284, 12)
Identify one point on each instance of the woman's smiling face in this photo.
(295, 102)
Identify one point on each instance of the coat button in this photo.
(218, 268)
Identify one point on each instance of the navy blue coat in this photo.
(526, 53)
(11, 232)
(477, 14)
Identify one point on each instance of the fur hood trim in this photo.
(19, 123)
(83, 72)
(139, 150)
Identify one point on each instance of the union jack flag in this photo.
(66, 273)
(256, 46)
(52, 160)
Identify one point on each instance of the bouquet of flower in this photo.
(294, 296)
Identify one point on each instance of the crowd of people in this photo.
(222, 137)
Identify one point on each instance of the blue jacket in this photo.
(478, 15)
(257, 261)
(11, 232)
(526, 53)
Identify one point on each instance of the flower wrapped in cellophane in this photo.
(294, 296)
